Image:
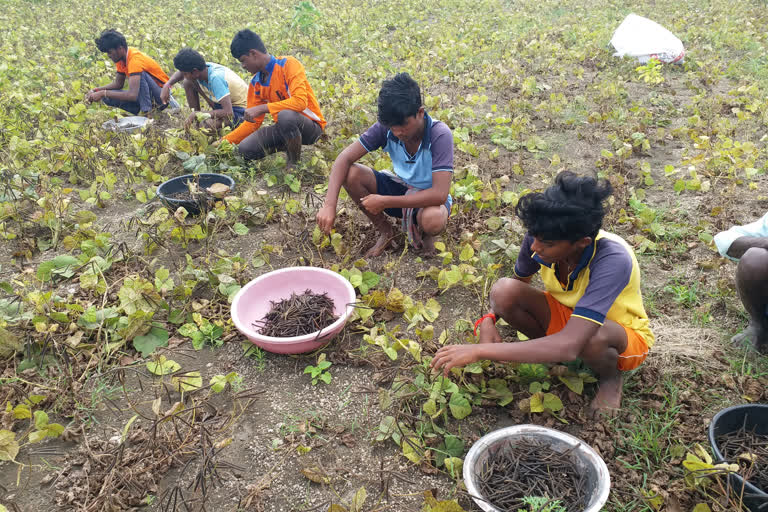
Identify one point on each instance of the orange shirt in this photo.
(137, 62)
(282, 86)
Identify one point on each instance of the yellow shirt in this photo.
(604, 284)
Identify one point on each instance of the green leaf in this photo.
(541, 402)
(156, 337)
(467, 252)
(41, 420)
(499, 391)
(459, 406)
(218, 383)
(9, 448)
(163, 281)
(575, 384)
(451, 446)
(188, 330)
(240, 228)
(22, 412)
(369, 280)
(430, 407)
(62, 266)
(163, 366)
(454, 465)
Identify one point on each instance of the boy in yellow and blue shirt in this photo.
(591, 307)
(221, 88)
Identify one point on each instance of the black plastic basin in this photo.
(178, 184)
(752, 417)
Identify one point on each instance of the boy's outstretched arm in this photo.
(565, 345)
(339, 170)
(97, 93)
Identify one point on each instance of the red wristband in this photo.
(487, 315)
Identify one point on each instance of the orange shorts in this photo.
(631, 358)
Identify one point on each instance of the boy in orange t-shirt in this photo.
(280, 88)
(145, 77)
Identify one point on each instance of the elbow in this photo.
(439, 198)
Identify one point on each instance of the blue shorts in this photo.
(386, 186)
(238, 113)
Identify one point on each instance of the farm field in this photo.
(123, 382)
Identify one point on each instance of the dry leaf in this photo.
(218, 189)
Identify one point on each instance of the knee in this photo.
(287, 119)
(504, 293)
(249, 152)
(433, 219)
(355, 175)
(754, 264)
(188, 85)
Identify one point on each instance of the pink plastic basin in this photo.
(252, 303)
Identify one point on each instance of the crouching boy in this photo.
(591, 307)
(417, 191)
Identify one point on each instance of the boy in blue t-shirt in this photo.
(417, 191)
(221, 88)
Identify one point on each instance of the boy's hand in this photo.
(325, 218)
(454, 356)
(192, 119)
(94, 95)
(165, 94)
(253, 113)
(374, 203)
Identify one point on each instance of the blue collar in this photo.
(584, 259)
(260, 77)
(426, 138)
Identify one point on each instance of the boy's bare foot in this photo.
(607, 401)
(753, 336)
(427, 246)
(386, 239)
(488, 333)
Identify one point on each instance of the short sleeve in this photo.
(218, 86)
(725, 239)
(374, 137)
(442, 147)
(609, 274)
(136, 64)
(526, 266)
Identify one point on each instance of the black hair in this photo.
(245, 41)
(571, 209)
(110, 39)
(187, 60)
(399, 98)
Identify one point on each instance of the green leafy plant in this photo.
(320, 372)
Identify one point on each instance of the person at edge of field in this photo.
(145, 77)
(748, 245)
(591, 307)
(417, 192)
(279, 87)
(221, 88)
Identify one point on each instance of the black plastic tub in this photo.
(752, 417)
(178, 184)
